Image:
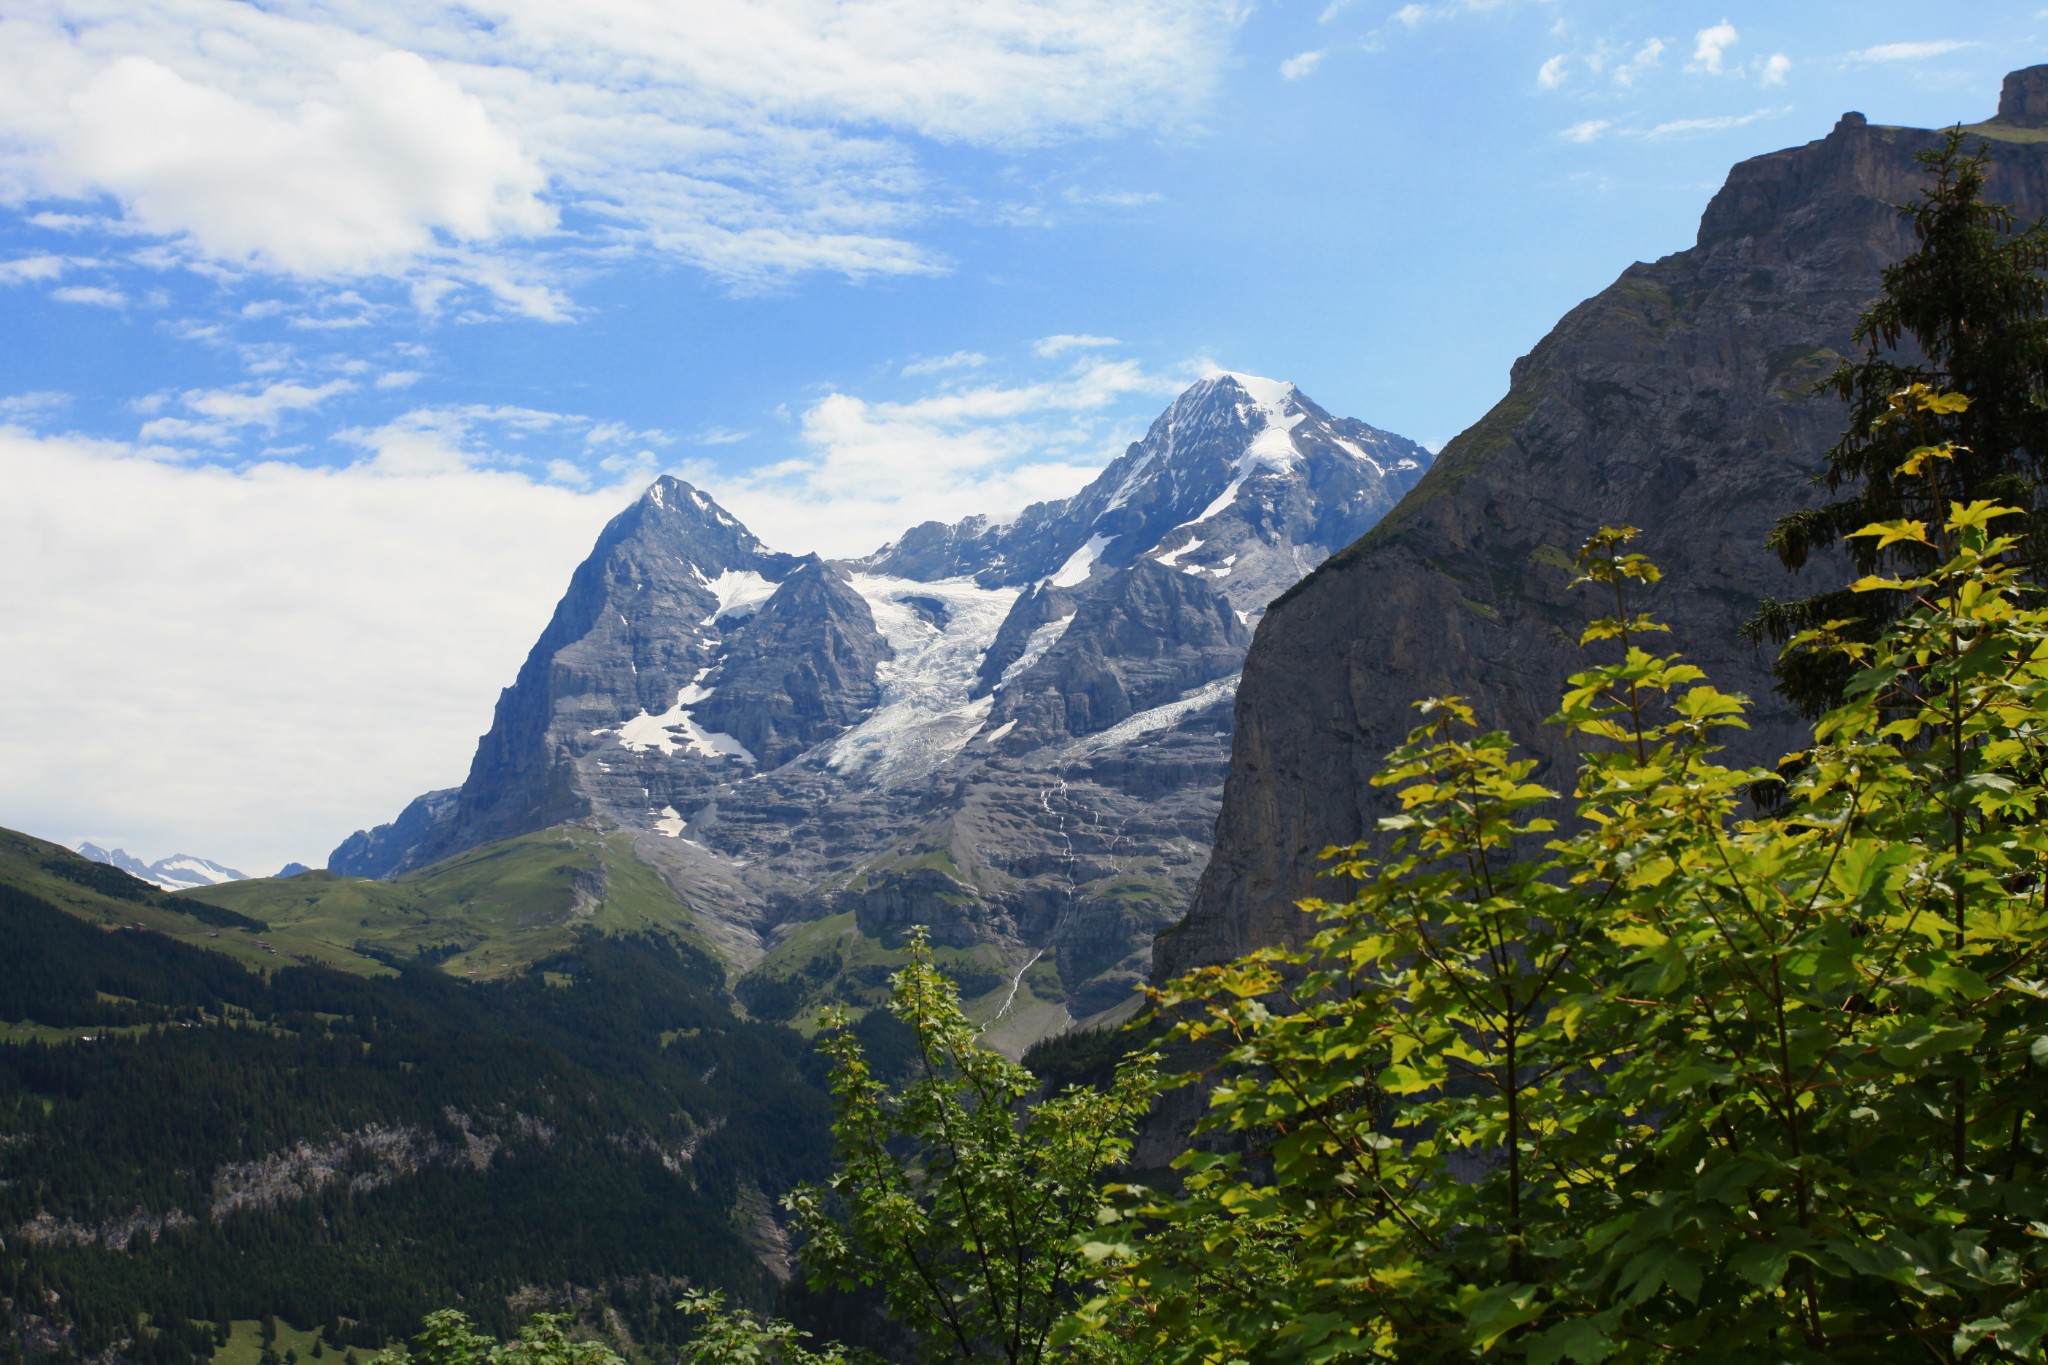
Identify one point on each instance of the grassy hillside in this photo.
(830, 962)
(485, 914)
(187, 1144)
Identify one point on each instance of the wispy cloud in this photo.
(1554, 72)
(1910, 51)
(1587, 130)
(1301, 64)
(95, 295)
(959, 360)
(1645, 59)
(1685, 127)
(1063, 342)
(1774, 70)
(39, 269)
(219, 415)
(31, 409)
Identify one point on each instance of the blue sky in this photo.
(335, 330)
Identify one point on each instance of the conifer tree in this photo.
(1965, 313)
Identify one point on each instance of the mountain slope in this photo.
(1679, 401)
(185, 1141)
(1013, 733)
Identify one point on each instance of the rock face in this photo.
(378, 852)
(1014, 733)
(1679, 401)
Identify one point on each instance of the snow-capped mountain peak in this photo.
(175, 873)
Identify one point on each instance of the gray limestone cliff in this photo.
(1678, 400)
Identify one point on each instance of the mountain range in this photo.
(179, 872)
(1013, 732)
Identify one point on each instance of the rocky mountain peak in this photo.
(2023, 101)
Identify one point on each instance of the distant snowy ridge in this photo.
(179, 872)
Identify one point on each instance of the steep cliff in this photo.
(1678, 400)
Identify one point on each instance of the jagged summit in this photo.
(1242, 478)
(1011, 731)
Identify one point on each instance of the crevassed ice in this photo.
(1158, 718)
(925, 716)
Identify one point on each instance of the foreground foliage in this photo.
(958, 1194)
(1671, 1082)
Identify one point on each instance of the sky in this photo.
(334, 330)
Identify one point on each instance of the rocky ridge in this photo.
(1013, 733)
(1678, 400)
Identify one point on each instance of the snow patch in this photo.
(671, 823)
(1158, 718)
(925, 716)
(995, 736)
(1040, 640)
(1359, 454)
(675, 729)
(1172, 557)
(1080, 562)
(737, 590)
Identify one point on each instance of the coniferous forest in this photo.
(586, 1129)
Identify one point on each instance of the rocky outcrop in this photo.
(381, 851)
(1150, 635)
(1678, 400)
(801, 671)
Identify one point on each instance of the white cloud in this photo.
(36, 269)
(1587, 130)
(1909, 52)
(1048, 347)
(752, 138)
(398, 379)
(223, 413)
(871, 469)
(1774, 70)
(1553, 72)
(1419, 13)
(1710, 48)
(322, 645)
(30, 409)
(959, 360)
(92, 294)
(1645, 58)
(1300, 64)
